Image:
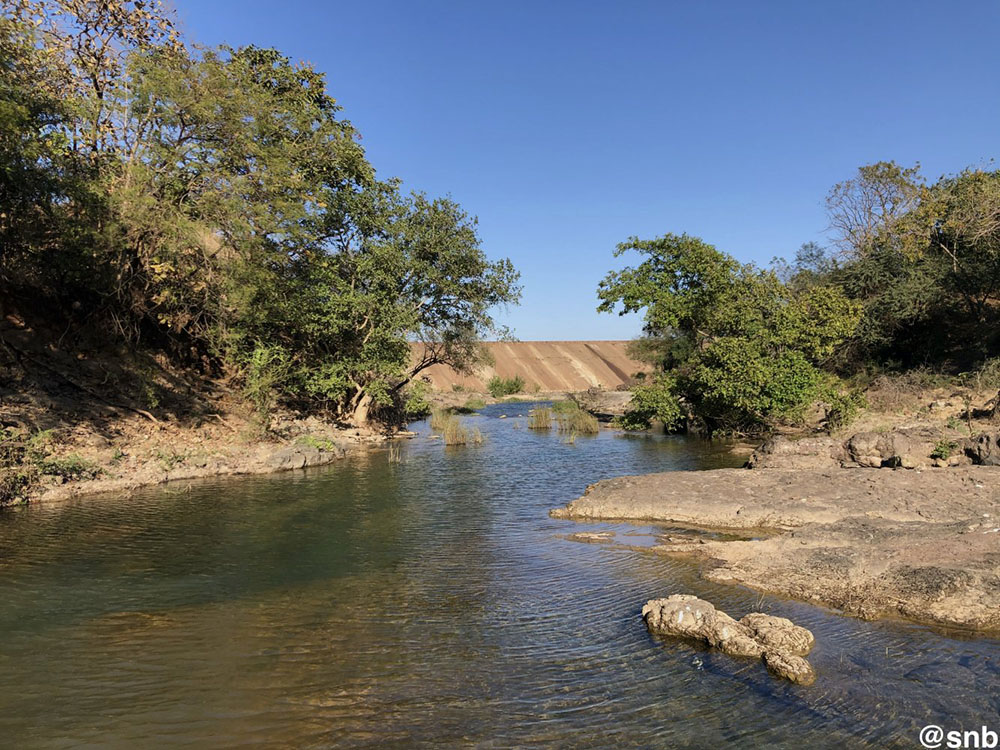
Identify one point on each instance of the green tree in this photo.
(924, 260)
(223, 211)
(738, 348)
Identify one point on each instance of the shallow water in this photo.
(429, 602)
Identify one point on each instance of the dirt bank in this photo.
(80, 415)
(126, 454)
(924, 545)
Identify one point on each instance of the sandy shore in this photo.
(924, 545)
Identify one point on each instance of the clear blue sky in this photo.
(568, 126)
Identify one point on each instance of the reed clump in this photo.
(577, 422)
(454, 433)
(439, 418)
(540, 419)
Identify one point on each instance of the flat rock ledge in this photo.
(780, 643)
(922, 545)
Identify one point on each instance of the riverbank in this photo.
(923, 545)
(125, 454)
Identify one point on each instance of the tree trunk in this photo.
(361, 409)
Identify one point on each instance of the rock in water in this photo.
(779, 634)
(781, 643)
(791, 667)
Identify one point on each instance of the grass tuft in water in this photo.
(577, 421)
(540, 419)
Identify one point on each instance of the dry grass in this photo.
(439, 417)
(540, 419)
(453, 432)
(903, 392)
(578, 422)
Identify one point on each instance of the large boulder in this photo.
(985, 450)
(605, 405)
(778, 641)
(780, 452)
(905, 449)
(690, 617)
(863, 449)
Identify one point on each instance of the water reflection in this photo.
(427, 602)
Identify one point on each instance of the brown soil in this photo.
(134, 420)
(924, 545)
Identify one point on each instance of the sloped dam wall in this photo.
(548, 366)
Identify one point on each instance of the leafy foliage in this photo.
(913, 280)
(213, 203)
(735, 344)
(924, 261)
(500, 387)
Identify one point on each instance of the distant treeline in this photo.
(911, 280)
(212, 204)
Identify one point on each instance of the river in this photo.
(429, 601)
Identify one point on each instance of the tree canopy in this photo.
(736, 347)
(912, 279)
(214, 203)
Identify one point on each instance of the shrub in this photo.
(416, 404)
(944, 449)
(474, 403)
(16, 484)
(844, 407)
(70, 467)
(319, 443)
(266, 369)
(986, 376)
(654, 399)
(500, 387)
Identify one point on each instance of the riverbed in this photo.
(425, 600)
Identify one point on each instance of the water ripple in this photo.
(372, 604)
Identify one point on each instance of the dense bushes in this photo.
(913, 281)
(500, 387)
(735, 346)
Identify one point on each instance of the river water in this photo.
(429, 602)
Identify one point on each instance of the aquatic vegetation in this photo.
(577, 421)
(540, 419)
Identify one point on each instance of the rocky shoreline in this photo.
(918, 544)
(266, 458)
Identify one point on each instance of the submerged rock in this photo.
(789, 666)
(778, 641)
